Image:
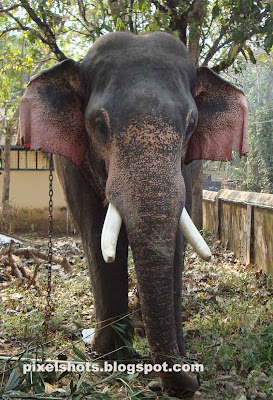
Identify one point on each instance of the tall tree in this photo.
(6, 209)
(258, 81)
(10, 82)
(16, 62)
(217, 32)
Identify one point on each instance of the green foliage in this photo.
(32, 385)
(224, 23)
(124, 333)
(258, 81)
(259, 177)
(18, 59)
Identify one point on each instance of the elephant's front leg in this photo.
(109, 281)
(109, 286)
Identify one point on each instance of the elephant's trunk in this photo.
(153, 255)
(152, 236)
(146, 186)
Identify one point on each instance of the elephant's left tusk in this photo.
(192, 235)
(110, 233)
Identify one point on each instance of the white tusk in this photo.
(193, 236)
(110, 233)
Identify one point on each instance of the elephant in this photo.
(122, 124)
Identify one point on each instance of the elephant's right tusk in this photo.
(192, 235)
(110, 233)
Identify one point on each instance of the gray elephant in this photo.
(122, 123)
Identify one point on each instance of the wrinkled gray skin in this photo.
(135, 95)
(131, 85)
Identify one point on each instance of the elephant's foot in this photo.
(108, 345)
(182, 385)
(103, 343)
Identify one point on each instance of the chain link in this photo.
(50, 251)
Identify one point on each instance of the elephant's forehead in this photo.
(139, 63)
(122, 42)
(137, 81)
(123, 56)
(128, 76)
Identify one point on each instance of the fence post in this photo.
(248, 234)
(217, 215)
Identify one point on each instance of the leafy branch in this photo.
(44, 31)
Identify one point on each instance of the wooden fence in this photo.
(243, 221)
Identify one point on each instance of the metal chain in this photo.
(50, 251)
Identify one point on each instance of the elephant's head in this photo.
(135, 109)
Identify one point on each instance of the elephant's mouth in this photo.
(112, 225)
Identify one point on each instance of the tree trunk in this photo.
(197, 18)
(6, 219)
(197, 193)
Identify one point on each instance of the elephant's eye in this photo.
(191, 125)
(100, 124)
(101, 127)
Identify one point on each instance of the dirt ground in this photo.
(228, 324)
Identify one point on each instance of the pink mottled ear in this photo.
(51, 118)
(222, 119)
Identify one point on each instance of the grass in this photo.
(228, 311)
